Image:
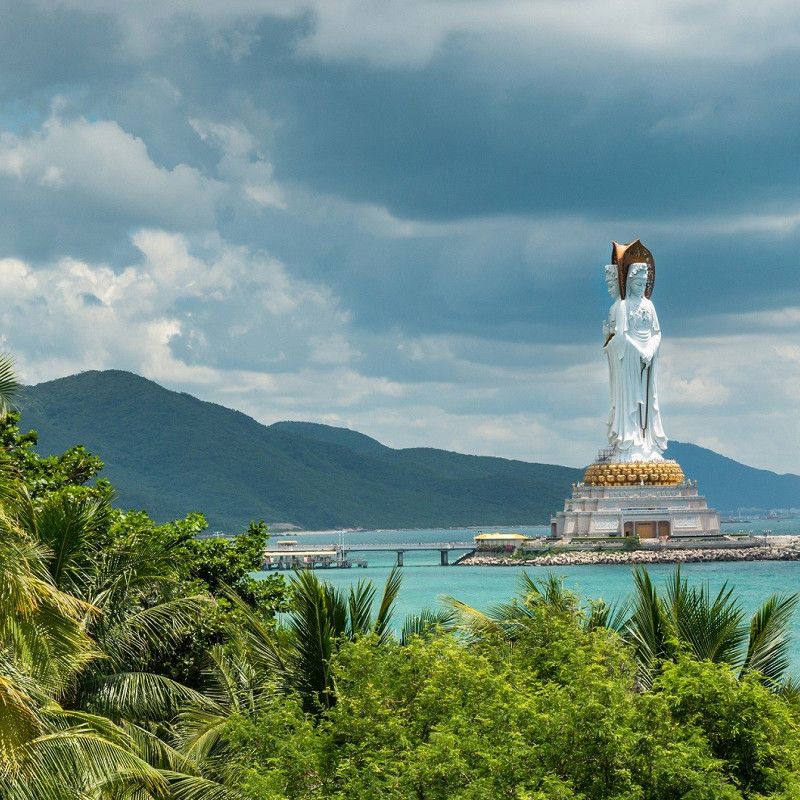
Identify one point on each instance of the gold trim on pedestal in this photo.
(636, 473)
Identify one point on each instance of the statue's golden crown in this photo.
(623, 255)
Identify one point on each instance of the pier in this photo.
(444, 548)
(287, 555)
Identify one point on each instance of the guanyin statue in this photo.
(633, 339)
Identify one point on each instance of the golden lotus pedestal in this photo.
(636, 473)
(646, 500)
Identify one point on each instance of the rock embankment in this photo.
(788, 549)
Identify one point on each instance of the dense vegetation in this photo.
(137, 661)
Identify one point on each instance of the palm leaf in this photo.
(770, 637)
(611, 616)
(136, 696)
(9, 382)
(428, 622)
(712, 630)
(648, 628)
(194, 787)
(385, 613)
(359, 603)
(479, 625)
(76, 757)
(150, 630)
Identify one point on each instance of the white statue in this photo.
(634, 429)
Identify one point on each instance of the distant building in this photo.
(505, 541)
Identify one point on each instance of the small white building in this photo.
(505, 541)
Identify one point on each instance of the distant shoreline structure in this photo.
(777, 548)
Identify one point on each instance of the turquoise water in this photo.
(425, 582)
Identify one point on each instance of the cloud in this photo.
(395, 215)
(76, 180)
(171, 314)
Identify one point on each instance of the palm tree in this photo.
(76, 717)
(322, 617)
(429, 622)
(690, 619)
(293, 657)
(45, 750)
(510, 620)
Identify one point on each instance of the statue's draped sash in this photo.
(635, 432)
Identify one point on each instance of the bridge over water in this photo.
(444, 548)
(331, 554)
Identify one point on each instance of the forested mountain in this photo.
(171, 453)
(730, 485)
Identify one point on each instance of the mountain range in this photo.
(171, 453)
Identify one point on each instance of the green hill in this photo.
(730, 485)
(171, 453)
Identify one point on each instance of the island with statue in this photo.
(631, 490)
(633, 506)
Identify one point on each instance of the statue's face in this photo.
(637, 281)
(612, 282)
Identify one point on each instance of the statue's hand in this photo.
(647, 358)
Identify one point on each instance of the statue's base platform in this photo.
(634, 473)
(645, 511)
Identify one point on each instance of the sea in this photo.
(426, 583)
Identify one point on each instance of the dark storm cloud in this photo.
(47, 47)
(435, 143)
(442, 141)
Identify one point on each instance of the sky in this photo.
(393, 215)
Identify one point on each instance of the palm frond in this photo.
(789, 689)
(150, 630)
(770, 637)
(548, 591)
(428, 622)
(9, 382)
(383, 619)
(79, 756)
(199, 730)
(136, 696)
(611, 616)
(359, 603)
(479, 625)
(194, 787)
(711, 629)
(648, 627)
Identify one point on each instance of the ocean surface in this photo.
(425, 582)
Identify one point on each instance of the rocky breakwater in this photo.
(785, 548)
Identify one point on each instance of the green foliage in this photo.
(226, 563)
(689, 619)
(752, 730)
(9, 382)
(89, 596)
(556, 716)
(69, 472)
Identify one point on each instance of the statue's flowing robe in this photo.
(634, 429)
(609, 329)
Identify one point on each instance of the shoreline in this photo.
(787, 548)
